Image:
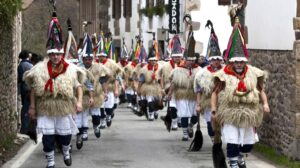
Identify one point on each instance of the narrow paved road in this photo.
(133, 142)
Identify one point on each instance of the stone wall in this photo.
(279, 127)
(9, 50)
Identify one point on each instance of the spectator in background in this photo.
(201, 60)
(24, 66)
(35, 58)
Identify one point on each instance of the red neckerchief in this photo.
(172, 64)
(142, 65)
(153, 69)
(62, 67)
(104, 61)
(194, 65)
(241, 85)
(124, 63)
(133, 64)
(211, 69)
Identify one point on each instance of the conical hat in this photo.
(54, 42)
(70, 46)
(236, 48)
(213, 49)
(175, 47)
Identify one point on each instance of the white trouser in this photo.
(235, 135)
(81, 119)
(95, 111)
(63, 125)
(186, 108)
(109, 103)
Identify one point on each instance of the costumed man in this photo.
(110, 51)
(139, 56)
(112, 87)
(71, 55)
(125, 93)
(149, 87)
(53, 83)
(182, 80)
(129, 82)
(165, 71)
(88, 94)
(236, 99)
(204, 83)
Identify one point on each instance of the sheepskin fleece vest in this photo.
(86, 92)
(62, 100)
(241, 111)
(128, 72)
(115, 71)
(183, 80)
(98, 70)
(165, 73)
(205, 80)
(151, 87)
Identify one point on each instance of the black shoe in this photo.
(79, 142)
(185, 139)
(155, 116)
(68, 162)
(97, 132)
(108, 123)
(51, 166)
(112, 115)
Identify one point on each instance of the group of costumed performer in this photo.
(149, 88)
(95, 73)
(165, 83)
(113, 89)
(182, 80)
(204, 83)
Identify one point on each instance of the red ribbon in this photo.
(61, 67)
(104, 61)
(124, 63)
(153, 68)
(172, 64)
(211, 69)
(133, 64)
(194, 65)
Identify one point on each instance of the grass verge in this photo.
(275, 157)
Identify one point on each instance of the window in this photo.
(127, 8)
(116, 9)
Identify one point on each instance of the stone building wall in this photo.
(10, 47)
(279, 128)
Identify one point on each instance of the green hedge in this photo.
(156, 10)
(8, 10)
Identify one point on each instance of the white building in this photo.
(122, 25)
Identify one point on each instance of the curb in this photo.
(23, 154)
